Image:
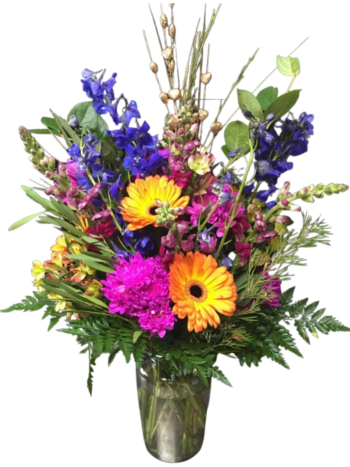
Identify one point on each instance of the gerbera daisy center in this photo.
(152, 210)
(196, 291)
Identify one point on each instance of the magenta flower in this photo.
(273, 287)
(168, 240)
(243, 250)
(105, 230)
(181, 179)
(139, 288)
(176, 163)
(188, 244)
(266, 236)
(219, 217)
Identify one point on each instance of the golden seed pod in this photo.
(174, 94)
(203, 114)
(168, 53)
(172, 30)
(163, 21)
(216, 127)
(154, 67)
(164, 97)
(171, 5)
(171, 66)
(206, 78)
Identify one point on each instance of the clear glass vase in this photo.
(173, 412)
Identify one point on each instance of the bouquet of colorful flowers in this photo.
(167, 255)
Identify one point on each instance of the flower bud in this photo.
(294, 207)
(206, 78)
(62, 169)
(154, 67)
(164, 21)
(202, 114)
(216, 127)
(174, 94)
(171, 66)
(164, 97)
(168, 53)
(44, 161)
(73, 122)
(284, 190)
(172, 30)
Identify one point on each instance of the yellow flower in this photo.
(200, 290)
(139, 207)
(81, 272)
(76, 248)
(60, 246)
(38, 270)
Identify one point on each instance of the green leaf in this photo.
(125, 343)
(288, 66)
(46, 204)
(283, 104)
(267, 96)
(41, 131)
(136, 335)
(237, 136)
(301, 328)
(67, 131)
(28, 304)
(25, 220)
(88, 118)
(247, 101)
(113, 354)
(216, 373)
(51, 123)
(225, 150)
(60, 223)
(111, 358)
(53, 322)
(109, 152)
(99, 265)
(92, 361)
(287, 297)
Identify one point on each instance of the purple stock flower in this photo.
(273, 287)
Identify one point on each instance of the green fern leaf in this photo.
(90, 380)
(281, 336)
(98, 345)
(216, 373)
(140, 349)
(300, 325)
(272, 351)
(111, 358)
(53, 322)
(109, 341)
(28, 304)
(249, 361)
(287, 297)
(125, 339)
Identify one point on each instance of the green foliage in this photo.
(225, 150)
(67, 132)
(216, 373)
(88, 118)
(51, 127)
(237, 136)
(25, 220)
(267, 96)
(288, 66)
(29, 304)
(282, 104)
(108, 151)
(269, 334)
(247, 101)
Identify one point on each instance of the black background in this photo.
(42, 388)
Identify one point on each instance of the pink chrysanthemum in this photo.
(140, 288)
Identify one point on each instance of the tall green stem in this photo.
(233, 215)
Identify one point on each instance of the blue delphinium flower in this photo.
(143, 157)
(143, 240)
(274, 149)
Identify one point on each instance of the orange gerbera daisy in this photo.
(139, 207)
(200, 290)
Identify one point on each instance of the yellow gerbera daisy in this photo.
(139, 207)
(200, 290)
